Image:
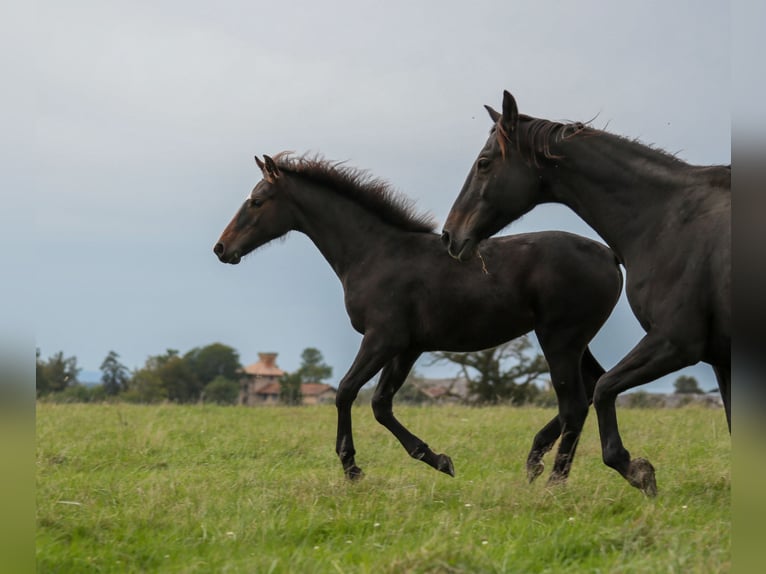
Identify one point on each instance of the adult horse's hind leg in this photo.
(391, 379)
(723, 374)
(653, 357)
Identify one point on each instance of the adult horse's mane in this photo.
(538, 135)
(376, 195)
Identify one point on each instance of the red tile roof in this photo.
(266, 366)
(314, 389)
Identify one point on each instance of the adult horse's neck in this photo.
(621, 188)
(345, 232)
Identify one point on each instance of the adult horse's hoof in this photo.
(444, 464)
(641, 475)
(354, 473)
(534, 469)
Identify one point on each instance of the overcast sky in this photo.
(148, 115)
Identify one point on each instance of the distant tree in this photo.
(212, 361)
(55, 374)
(114, 375)
(178, 379)
(686, 385)
(506, 373)
(313, 368)
(165, 377)
(222, 391)
(290, 389)
(145, 386)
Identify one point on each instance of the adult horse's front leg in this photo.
(391, 379)
(653, 357)
(369, 360)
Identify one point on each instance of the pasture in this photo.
(129, 488)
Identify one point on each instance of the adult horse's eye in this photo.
(256, 202)
(483, 163)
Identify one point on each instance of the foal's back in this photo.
(517, 284)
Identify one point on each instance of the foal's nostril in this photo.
(445, 238)
(218, 249)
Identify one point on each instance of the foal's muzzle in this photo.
(220, 250)
(460, 250)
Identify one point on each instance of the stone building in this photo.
(260, 381)
(259, 385)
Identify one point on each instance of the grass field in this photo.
(126, 488)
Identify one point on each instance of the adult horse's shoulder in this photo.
(717, 177)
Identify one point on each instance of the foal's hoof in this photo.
(444, 464)
(557, 479)
(534, 469)
(354, 473)
(641, 475)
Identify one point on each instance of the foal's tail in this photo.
(591, 371)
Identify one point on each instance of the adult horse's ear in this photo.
(493, 113)
(510, 112)
(260, 164)
(270, 170)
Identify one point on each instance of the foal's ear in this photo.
(493, 113)
(510, 112)
(269, 168)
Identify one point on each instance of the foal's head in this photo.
(503, 184)
(263, 216)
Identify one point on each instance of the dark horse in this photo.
(668, 222)
(406, 297)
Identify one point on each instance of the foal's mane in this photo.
(537, 136)
(376, 195)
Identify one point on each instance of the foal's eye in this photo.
(256, 202)
(482, 163)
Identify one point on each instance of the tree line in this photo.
(509, 373)
(209, 373)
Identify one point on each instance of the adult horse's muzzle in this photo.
(458, 248)
(220, 250)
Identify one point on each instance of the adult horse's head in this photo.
(501, 187)
(262, 217)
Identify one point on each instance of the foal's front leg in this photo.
(369, 360)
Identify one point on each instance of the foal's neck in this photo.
(345, 232)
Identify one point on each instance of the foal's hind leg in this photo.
(564, 353)
(542, 443)
(590, 370)
(573, 409)
(391, 379)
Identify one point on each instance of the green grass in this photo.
(126, 488)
